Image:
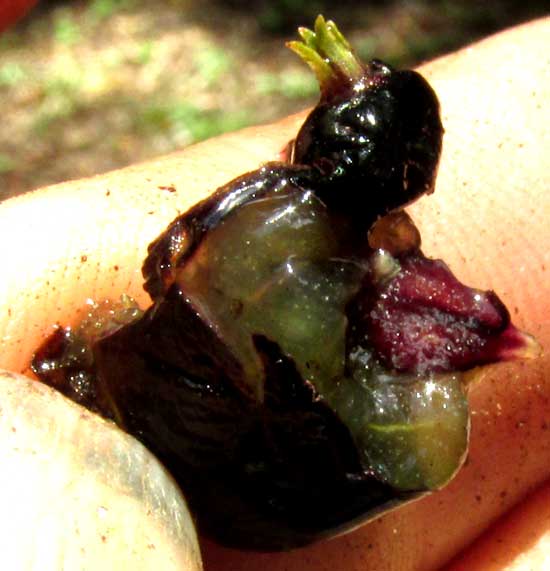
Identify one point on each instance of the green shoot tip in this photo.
(328, 54)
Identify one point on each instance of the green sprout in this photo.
(328, 54)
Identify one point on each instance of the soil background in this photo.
(91, 85)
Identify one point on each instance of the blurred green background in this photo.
(91, 85)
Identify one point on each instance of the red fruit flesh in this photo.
(424, 319)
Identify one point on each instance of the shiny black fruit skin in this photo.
(377, 143)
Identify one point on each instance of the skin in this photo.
(487, 219)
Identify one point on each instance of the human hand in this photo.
(487, 219)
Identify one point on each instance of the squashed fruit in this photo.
(300, 369)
